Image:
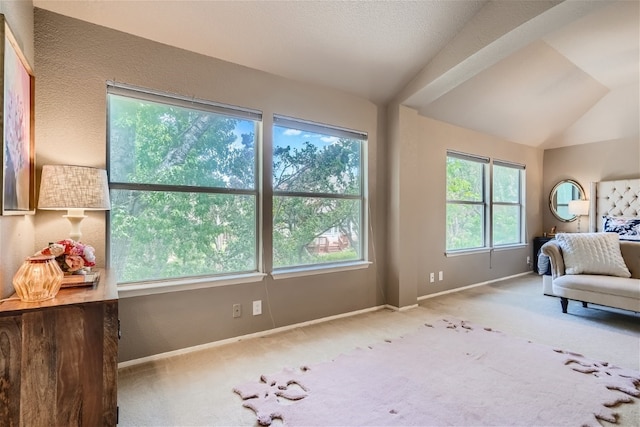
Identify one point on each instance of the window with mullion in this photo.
(466, 202)
(318, 194)
(184, 186)
(507, 210)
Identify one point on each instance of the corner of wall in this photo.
(17, 232)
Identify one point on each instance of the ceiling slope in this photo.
(536, 72)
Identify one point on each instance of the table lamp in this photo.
(74, 189)
(579, 208)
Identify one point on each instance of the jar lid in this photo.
(40, 258)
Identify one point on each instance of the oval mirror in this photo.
(560, 196)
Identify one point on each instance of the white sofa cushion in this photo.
(592, 253)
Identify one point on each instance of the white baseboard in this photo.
(475, 285)
(265, 333)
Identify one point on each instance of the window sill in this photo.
(177, 285)
(485, 250)
(286, 273)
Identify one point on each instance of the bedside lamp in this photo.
(74, 189)
(579, 208)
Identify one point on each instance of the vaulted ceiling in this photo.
(541, 73)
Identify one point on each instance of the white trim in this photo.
(265, 333)
(475, 285)
(286, 273)
(461, 252)
(405, 308)
(177, 285)
(510, 246)
(260, 334)
(499, 248)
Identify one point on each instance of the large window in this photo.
(474, 219)
(184, 188)
(318, 194)
(186, 196)
(466, 201)
(508, 207)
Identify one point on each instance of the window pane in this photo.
(187, 223)
(161, 235)
(315, 163)
(308, 230)
(464, 180)
(465, 225)
(155, 143)
(506, 224)
(506, 184)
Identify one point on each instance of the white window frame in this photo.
(186, 282)
(262, 189)
(330, 130)
(520, 203)
(488, 204)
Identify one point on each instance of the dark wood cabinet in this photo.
(59, 358)
(537, 244)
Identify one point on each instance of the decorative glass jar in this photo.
(39, 278)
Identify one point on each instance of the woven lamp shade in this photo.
(579, 207)
(73, 187)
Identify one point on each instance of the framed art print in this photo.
(18, 150)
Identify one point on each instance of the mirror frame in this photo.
(552, 196)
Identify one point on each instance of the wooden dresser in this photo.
(59, 358)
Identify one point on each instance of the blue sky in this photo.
(286, 136)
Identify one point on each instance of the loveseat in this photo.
(595, 268)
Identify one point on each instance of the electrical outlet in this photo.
(237, 310)
(257, 308)
(432, 277)
(528, 260)
(440, 275)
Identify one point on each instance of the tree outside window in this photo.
(468, 207)
(183, 189)
(317, 194)
(183, 177)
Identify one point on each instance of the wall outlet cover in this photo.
(257, 308)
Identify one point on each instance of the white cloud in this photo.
(330, 139)
(237, 144)
(292, 132)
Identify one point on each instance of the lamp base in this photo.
(75, 217)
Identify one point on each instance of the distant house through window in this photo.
(184, 177)
(318, 193)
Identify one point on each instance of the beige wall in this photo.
(417, 209)
(75, 60)
(16, 232)
(586, 163)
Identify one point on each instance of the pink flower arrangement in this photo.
(72, 256)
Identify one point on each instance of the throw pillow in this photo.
(627, 228)
(592, 253)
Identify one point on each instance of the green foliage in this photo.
(185, 196)
(466, 204)
(301, 223)
(164, 234)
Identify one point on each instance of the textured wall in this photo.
(586, 163)
(75, 59)
(17, 232)
(418, 212)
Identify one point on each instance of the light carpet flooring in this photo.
(195, 389)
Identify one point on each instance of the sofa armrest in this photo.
(553, 251)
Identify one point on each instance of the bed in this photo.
(619, 198)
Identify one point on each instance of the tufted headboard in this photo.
(613, 198)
